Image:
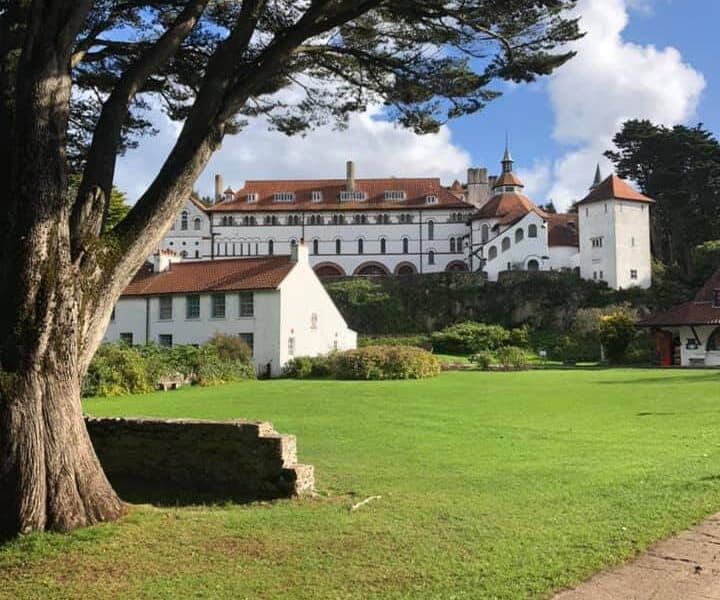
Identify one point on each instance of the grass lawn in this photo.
(493, 485)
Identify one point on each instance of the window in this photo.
(112, 315)
(184, 220)
(484, 234)
(165, 308)
(316, 196)
(283, 197)
(431, 257)
(338, 246)
(713, 344)
(197, 224)
(431, 230)
(383, 245)
(532, 231)
(519, 235)
(271, 247)
(314, 321)
(601, 275)
(606, 208)
(596, 242)
(633, 274)
(192, 307)
(316, 247)
(506, 244)
(452, 245)
(632, 242)
(431, 200)
(406, 245)
(291, 346)
(492, 253)
(533, 265)
(361, 246)
(251, 198)
(247, 304)
(249, 339)
(716, 298)
(353, 196)
(395, 195)
(594, 274)
(165, 340)
(126, 338)
(218, 306)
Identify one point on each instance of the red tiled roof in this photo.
(562, 230)
(508, 179)
(614, 188)
(227, 275)
(700, 311)
(416, 192)
(508, 207)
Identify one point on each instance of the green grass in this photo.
(493, 485)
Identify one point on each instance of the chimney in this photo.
(163, 259)
(218, 189)
(350, 181)
(299, 253)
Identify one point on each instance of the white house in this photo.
(688, 335)
(405, 226)
(276, 304)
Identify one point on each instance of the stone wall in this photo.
(174, 460)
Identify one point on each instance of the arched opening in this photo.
(316, 246)
(184, 221)
(338, 246)
(533, 265)
(383, 245)
(361, 246)
(328, 271)
(197, 224)
(271, 247)
(484, 233)
(506, 244)
(405, 245)
(532, 231)
(713, 344)
(431, 257)
(456, 266)
(452, 245)
(519, 235)
(431, 230)
(405, 268)
(492, 253)
(372, 269)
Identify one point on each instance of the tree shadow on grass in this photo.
(715, 376)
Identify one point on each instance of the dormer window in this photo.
(353, 196)
(251, 198)
(431, 200)
(716, 298)
(394, 195)
(316, 196)
(284, 197)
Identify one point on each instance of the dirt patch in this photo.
(684, 567)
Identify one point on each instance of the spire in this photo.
(507, 161)
(598, 178)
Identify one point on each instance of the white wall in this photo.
(632, 243)
(302, 296)
(596, 220)
(196, 243)
(712, 359)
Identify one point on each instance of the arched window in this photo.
(492, 253)
(532, 231)
(533, 265)
(361, 246)
(184, 220)
(386, 219)
(519, 235)
(271, 247)
(406, 245)
(506, 244)
(338, 246)
(316, 247)
(452, 245)
(713, 344)
(484, 233)
(293, 243)
(431, 230)
(431, 257)
(197, 224)
(383, 245)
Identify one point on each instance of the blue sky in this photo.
(651, 59)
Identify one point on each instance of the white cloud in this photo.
(378, 148)
(608, 82)
(536, 179)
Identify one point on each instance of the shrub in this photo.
(512, 357)
(300, 367)
(617, 330)
(470, 338)
(116, 370)
(386, 362)
(231, 347)
(418, 341)
(484, 360)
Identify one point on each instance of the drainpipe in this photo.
(147, 320)
(421, 240)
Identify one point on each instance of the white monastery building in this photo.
(399, 226)
(276, 304)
